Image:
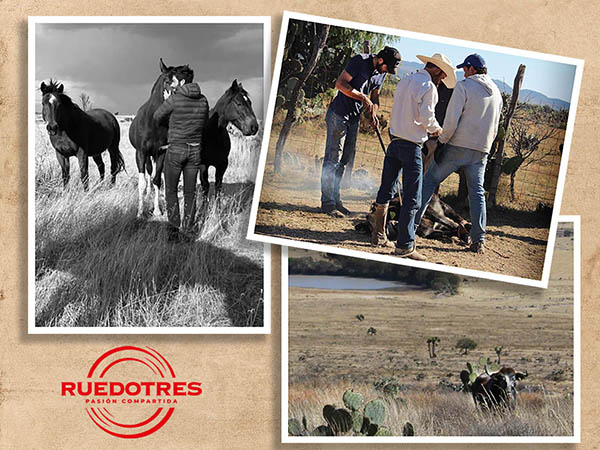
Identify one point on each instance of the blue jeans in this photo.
(473, 163)
(403, 155)
(181, 158)
(339, 151)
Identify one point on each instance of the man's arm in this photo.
(426, 112)
(343, 85)
(453, 113)
(163, 111)
(375, 101)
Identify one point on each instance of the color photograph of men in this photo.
(412, 149)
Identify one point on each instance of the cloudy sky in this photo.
(117, 64)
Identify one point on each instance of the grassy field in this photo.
(330, 350)
(97, 265)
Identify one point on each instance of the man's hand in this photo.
(436, 133)
(375, 121)
(368, 104)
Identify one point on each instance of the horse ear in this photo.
(163, 67)
(60, 88)
(43, 87)
(234, 84)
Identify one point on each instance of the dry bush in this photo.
(97, 265)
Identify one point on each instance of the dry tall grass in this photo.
(439, 413)
(97, 265)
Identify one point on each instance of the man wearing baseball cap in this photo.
(470, 127)
(358, 90)
(412, 120)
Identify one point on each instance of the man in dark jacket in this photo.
(187, 111)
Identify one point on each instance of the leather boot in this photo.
(377, 221)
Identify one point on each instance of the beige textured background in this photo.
(241, 378)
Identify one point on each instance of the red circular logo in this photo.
(131, 392)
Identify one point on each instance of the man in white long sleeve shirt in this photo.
(413, 118)
(470, 128)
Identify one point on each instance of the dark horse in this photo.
(234, 107)
(150, 139)
(74, 132)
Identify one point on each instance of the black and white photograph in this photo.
(144, 139)
(415, 149)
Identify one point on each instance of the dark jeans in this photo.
(181, 158)
(339, 151)
(403, 155)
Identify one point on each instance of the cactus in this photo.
(290, 85)
(498, 351)
(279, 101)
(375, 412)
(408, 429)
(352, 400)
(294, 428)
(382, 431)
(357, 421)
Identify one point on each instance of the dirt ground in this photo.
(290, 208)
(534, 326)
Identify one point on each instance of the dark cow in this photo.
(440, 221)
(496, 390)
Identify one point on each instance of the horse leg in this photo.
(65, 167)
(140, 160)
(83, 168)
(219, 177)
(100, 163)
(157, 180)
(204, 181)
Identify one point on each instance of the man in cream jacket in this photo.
(469, 130)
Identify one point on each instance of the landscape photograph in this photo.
(382, 353)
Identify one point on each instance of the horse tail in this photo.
(120, 162)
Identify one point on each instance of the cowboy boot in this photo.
(377, 221)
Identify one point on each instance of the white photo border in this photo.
(575, 439)
(33, 21)
(543, 282)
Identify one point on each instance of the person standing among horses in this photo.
(470, 128)
(411, 123)
(187, 111)
(358, 90)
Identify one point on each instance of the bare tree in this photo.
(318, 43)
(86, 103)
(525, 138)
(497, 168)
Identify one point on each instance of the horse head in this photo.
(170, 77)
(53, 103)
(235, 107)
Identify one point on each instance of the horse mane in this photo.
(227, 96)
(52, 87)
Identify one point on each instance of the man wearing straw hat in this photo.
(358, 89)
(412, 121)
(470, 128)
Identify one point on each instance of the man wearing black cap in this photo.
(470, 127)
(358, 87)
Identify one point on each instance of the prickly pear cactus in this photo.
(357, 421)
(294, 428)
(352, 400)
(382, 431)
(375, 412)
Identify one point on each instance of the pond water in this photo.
(341, 283)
